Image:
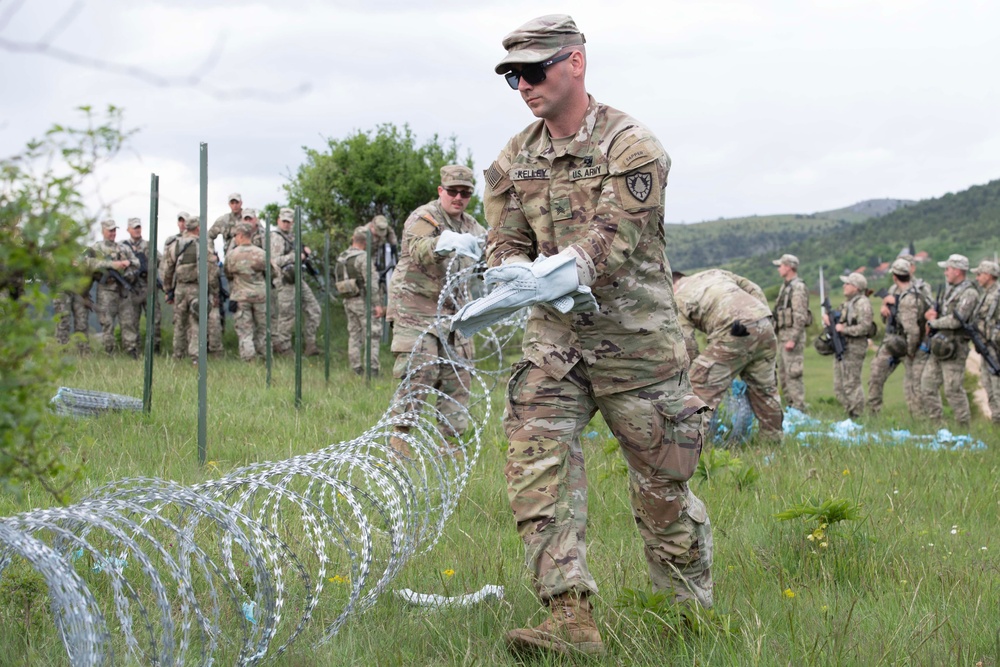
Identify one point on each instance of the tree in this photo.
(370, 173)
(43, 221)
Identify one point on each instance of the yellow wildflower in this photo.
(448, 573)
(846, 472)
(789, 593)
(337, 579)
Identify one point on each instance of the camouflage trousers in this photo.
(111, 306)
(356, 325)
(660, 430)
(949, 373)
(74, 319)
(991, 383)
(250, 322)
(215, 322)
(138, 303)
(790, 366)
(847, 376)
(426, 365)
(882, 368)
(185, 321)
(286, 317)
(750, 357)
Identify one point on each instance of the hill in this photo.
(708, 244)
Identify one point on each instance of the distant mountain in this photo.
(708, 244)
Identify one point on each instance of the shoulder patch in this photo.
(635, 153)
(429, 218)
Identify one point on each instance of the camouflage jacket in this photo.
(282, 252)
(600, 195)
(857, 316)
(257, 239)
(791, 308)
(225, 225)
(711, 301)
(909, 308)
(351, 265)
(420, 274)
(140, 249)
(962, 299)
(180, 263)
(988, 313)
(244, 268)
(99, 258)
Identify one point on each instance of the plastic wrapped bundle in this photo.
(733, 423)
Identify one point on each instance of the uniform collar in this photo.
(580, 146)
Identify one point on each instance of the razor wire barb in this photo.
(233, 570)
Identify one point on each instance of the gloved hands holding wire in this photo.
(459, 243)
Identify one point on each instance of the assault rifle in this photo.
(118, 278)
(891, 322)
(836, 338)
(318, 276)
(985, 349)
(223, 297)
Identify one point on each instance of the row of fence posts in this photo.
(203, 304)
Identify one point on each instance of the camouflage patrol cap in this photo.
(249, 213)
(857, 280)
(907, 256)
(191, 222)
(235, 196)
(456, 174)
(380, 223)
(286, 215)
(900, 267)
(244, 228)
(960, 262)
(987, 266)
(539, 39)
(134, 222)
(109, 224)
(787, 260)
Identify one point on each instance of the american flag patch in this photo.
(493, 175)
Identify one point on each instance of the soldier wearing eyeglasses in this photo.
(585, 182)
(438, 237)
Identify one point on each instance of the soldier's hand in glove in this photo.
(738, 329)
(460, 244)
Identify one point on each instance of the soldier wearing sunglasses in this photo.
(583, 187)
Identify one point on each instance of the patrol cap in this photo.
(539, 39)
(134, 222)
(380, 223)
(987, 266)
(235, 196)
(183, 215)
(191, 222)
(960, 262)
(360, 234)
(456, 174)
(858, 280)
(287, 215)
(787, 260)
(249, 213)
(907, 256)
(900, 267)
(109, 224)
(244, 228)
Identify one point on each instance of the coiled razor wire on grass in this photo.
(83, 403)
(233, 570)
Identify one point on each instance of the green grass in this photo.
(893, 587)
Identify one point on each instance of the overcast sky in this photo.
(765, 107)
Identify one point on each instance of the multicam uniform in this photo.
(180, 269)
(988, 324)
(856, 315)
(712, 301)
(413, 309)
(599, 193)
(74, 311)
(112, 298)
(791, 317)
(351, 266)
(961, 299)
(910, 306)
(138, 299)
(282, 256)
(226, 226)
(244, 266)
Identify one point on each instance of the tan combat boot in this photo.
(311, 350)
(568, 631)
(399, 444)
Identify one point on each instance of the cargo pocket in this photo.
(795, 368)
(682, 431)
(702, 528)
(512, 416)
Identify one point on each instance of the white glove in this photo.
(459, 243)
(548, 279)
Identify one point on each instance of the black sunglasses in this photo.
(533, 73)
(455, 192)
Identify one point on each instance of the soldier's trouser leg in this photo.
(214, 325)
(140, 308)
(847, 377)
(81, 322)
(354, 309)
(953, 373)
(310, 315)
(181, 318)
(790, 368)
(762, 383)
(243, 322)
(282, 338)
(930, 388)
(881, 369)
(62, 309)
(660, 429)
(128, 316)
(259, 328)
(109, 302)
(427, 366)
(193, 327)
(915, 398)
(376, 342)
(992, 385)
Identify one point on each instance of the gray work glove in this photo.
(550, 280)
(459, 243)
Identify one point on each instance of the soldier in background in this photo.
(283, 261)
(988, 324)
(180, 269)
(734, 313)
(949, 343)
(791, 317)
(901, 343)
(114, 292)
(244, 266)
(225, 224)
(75, 310)
(250, 217)
(351, 272)
(855, 325)
(382, 233)
(138, 299)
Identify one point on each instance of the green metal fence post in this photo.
(267, 296)
(154, 212)
(298, 307)
(203, 310)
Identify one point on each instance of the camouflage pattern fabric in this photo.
(286, 317)
(351, 265)
(244, 267)
(113, 301)
(908, 305)
(139, 300)
(711, 301)
(961, 298)
(988, 323)
(791, 314)
(226, 226)
(856, 314)
(442, 377)
(600, 196)
(74, 311)
(180, 269)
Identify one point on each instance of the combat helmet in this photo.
(895, 345)
(943, 347)
(823, 344)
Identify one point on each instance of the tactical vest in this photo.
(187, 261)
(851, 318)
(350, 280)
(783, 314)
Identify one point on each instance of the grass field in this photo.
(915, 580)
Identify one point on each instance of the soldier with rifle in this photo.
(949, 343)
(180, 270)
(849, 330)
(352, 271)
(986, 334)
(902, 311)
(385, 251)
(137, 300)
(283, 260)
(791, 318)
(115, 268)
